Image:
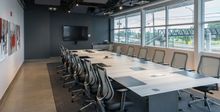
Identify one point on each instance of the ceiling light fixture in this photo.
(120, 7)
(50, 8)
(77, 4)
(54, 9)
(69, 11)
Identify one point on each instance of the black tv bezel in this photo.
(79, 39)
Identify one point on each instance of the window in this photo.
(211, 41)
(181, 25)
(181, 36)
(169, 26)
(134, 29)
(155, 34)
(127, 29)
(181, 13)
(119, 30)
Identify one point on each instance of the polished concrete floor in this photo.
(32, 91)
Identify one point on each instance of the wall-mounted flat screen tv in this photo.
(75, 33)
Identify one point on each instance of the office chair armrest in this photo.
(182, 68)
(190, 70)
(122, 90)
(148, 59)
(165, 64)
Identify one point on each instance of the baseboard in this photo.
(4, 97)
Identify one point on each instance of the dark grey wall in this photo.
(97, 27)
(43, 31)
(37, 34)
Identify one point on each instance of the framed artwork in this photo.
(9, 38)
(3, 39)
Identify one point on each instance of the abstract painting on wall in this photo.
(3, 39)
(9, 38)
(17, 33)
(12, 39)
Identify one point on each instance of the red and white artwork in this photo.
(9, 38)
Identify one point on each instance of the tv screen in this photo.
(75, 33)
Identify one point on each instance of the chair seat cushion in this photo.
(114, 106)
(206, 88)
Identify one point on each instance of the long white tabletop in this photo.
(146, 78)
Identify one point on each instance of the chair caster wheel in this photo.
(72, 101)
(180, 110)
(179, 98)
(189, 105)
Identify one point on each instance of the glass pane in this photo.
(159, 18)
(116, 39)
(212, 37)
(134, 36)
(155, 36)
(119, 23)
(212, 10)
(181, 36)
(121, 36)
(134, 21)
(149, 19)
(122, 23)
(116, 21)
(181, 13)
(155, 18)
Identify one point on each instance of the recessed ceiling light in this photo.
(50, 8)
(54, 9)
(77, 4)
(120, 7)
(69, 11)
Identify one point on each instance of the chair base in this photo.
(184, 91)
(206, 101)
(91, 102)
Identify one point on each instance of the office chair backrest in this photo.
(91, 78)
(80, 69)
(105, 91)
(118, 50)
(130, 51)
(142, 53)
(209, 66)
(110, 47)
(179, 60)
(159, 56)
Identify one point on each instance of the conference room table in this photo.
(156, 83)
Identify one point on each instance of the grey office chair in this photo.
(110, 47)
(106, 93)
(76, 72)
(207, 66)
(142, 53)
(79, 78)
(118, 50)
(179, 60)
(66, 59)
(62, 54)
(159, 56)
(90, 85)
(130, 51)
